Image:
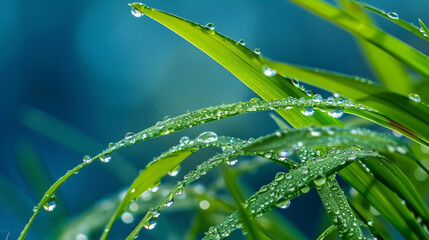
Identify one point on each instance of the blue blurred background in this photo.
(92, 68)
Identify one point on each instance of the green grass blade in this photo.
(401, 51)
(391, 16)
(387, 203)
(394, 111)
(327, 233)
(237, 59)
(424, 30)
(389, 71)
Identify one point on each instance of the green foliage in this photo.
(369, 161)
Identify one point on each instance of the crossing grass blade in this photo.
(394, 111)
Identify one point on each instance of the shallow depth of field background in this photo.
(95, 67)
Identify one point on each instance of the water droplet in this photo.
(106, 158)
(284, 153)
(257, 51)
(336, 95)
(242, 42)
(184, 140)
(86, 159)
(317, 98)
(81, 237)
(174, 172)
(295, 82)
(204, 204)
(370, 222)
(154, 188)
(50, 204)
(309, 92)
(127, 218)
(232, 162)
(393, 15)
(210, 26)
(308, 112)
(207, 137)
(169, 203)
(130, 137)
(284, 204)
(35, 209)
(319, 182)
(268, 71)
(151, 224)
(136, 13)
(336, 113)
(305, 189)
(415, 97)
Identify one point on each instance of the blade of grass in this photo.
(401, 51)
(388, 70)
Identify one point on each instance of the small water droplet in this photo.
(317, 98)
(370, 222)
(295, 82)
(154, 188)
(35, 209)
(184, 140)
(169, 203)
(174, 172)
(210, 26)
(207, 137)
(284, 204)
(415, 97)
(86, 159)
(305, 189)
(257, 51)
(308, 112)
(232, 162)
(151, 224)
(106, 158)
(51, 204)
(393, 15)
(130, 137)
(336, 113)
(242, 42)
(268, 71)
(136, 13)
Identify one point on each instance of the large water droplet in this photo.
(169, 203)
(415, 97)
(207, 137)
(51, 204)
(232, 162)
(268, 71)
(242, 42)
(210, 26)
(151, 224)
(184, 140)
(86, 159)
(106, 158)
(174, 172)
(317, 98)
(319, 182)
(136, 13)
(257, 51)
(130, 136)
(308, 112)
(393, 15)
(336, 113)
(284, 204)
(295, 82)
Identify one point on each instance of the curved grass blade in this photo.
(330, 230)
(287, 186)
(388, 70)
(394, 111)
(424, 30)
(392, 17)
(338, 208)
(387, 203)
(239, 60)
(401, 51)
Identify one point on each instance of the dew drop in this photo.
(284, 204)
(155, 213)
(136, 13)
(284, 153)
(295, 82)
(130, 137)
(415, 97)
(51, 204)
(319, 182)
(336, 113)
(154, 188)
(317, 98)
(169, 203)
(393, 15)
(35, 209)
(305, 189)
(207, 137)
(86, 159)
(370, 222)
(174, 172)
(184, 140)
(232, 162)
(257, 51)
(151, 224)
(204, 204)
(106, 158)
(268, 71)
(242, 42)
(210, 26)
(81, 237)
(308, 112)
